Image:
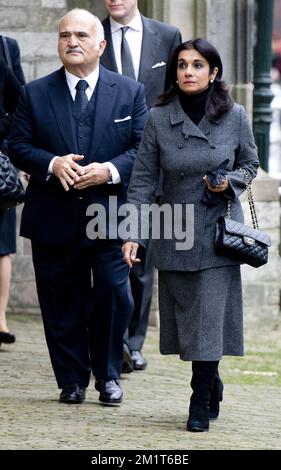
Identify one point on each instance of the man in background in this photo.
(140, 48)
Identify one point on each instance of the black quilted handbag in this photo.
(11, 188)
(240, 242)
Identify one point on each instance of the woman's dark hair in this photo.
(219, 99)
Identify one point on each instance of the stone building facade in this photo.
(229, 24)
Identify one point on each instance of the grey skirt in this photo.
(201, 313)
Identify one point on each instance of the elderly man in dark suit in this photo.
(140, 48)
(76, 132)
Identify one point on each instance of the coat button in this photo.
(180, 146)
(182, 175)
(212, 146)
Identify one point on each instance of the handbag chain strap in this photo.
(250, 200)
(228, 211)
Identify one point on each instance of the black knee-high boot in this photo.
(203, 376)
(215, 398)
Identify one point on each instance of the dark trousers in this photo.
(141, 279)
(86, 305)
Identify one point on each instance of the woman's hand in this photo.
(129, 250)
(219, 187)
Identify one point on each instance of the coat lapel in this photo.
(60, 101)
(149, 49)
(206, 126)
(177, 115)
(108, 57)
(105, 101)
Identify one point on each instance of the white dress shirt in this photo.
(92, 80)
(134, 38)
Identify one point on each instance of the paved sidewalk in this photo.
(155, 409)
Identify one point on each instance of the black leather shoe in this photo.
(73, 393)
(7, 338)
(138, 360)
(110, 392)
(128, 365)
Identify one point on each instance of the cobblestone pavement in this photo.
(153, 415)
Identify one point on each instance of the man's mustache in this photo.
(69, 50)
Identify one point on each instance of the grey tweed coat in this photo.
(200, 296)
(185, 152)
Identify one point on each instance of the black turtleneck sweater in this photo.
(194, 105)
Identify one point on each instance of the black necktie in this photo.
(126, 58)
(81, 99)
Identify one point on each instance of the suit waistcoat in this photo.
(83, 125)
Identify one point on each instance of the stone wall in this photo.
(33, 23)
(262, 285)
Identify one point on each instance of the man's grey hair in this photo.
(97, 23)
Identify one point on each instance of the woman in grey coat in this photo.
(196, 135)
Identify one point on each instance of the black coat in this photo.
(15, 58)
(9, 91)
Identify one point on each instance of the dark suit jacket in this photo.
(15, 58)
(159, 41)
(43, 128)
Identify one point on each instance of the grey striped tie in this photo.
(126, 58)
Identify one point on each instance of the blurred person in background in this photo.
(9, 90)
